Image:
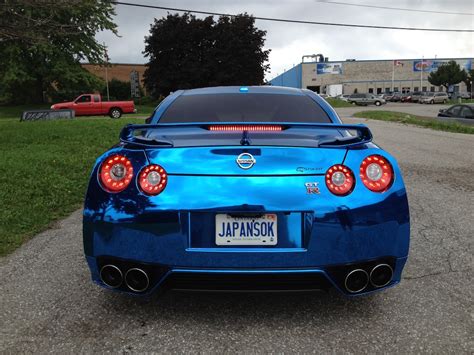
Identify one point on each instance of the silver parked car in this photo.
(365, 99)
(434, 98)
(343, 97)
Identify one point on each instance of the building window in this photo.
(416, 88)
(387, 90)
(432, 89)
(395, 89)
(371, 90)
(379, 91)
(440, 89)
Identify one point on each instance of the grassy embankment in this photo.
(44, 168)
(338, 103)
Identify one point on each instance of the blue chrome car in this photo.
(246, 188)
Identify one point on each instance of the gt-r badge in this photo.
(312, 188)
(245, 161)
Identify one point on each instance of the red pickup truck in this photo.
(92, 105)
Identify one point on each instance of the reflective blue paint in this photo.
(316, 231)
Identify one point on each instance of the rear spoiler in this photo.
(127, 135)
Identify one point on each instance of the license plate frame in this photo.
(246, 231)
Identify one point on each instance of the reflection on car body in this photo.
(255, 188)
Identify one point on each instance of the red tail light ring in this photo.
(340, 180)
(376, 173)
(116, 172)
(152, 179)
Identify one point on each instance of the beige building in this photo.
(117, 71)
(367, 76)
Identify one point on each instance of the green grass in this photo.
(15, 111)
(338, 103)
(44, 170)
(416, 120)
(463, 101)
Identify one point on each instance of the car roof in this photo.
(468, 105)
(251, 90)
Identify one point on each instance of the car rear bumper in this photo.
(162, 278)
(314, 250)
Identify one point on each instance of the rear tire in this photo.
(115, 112)
(353, 102)
(431, 102)
(445, 101)
(378, 103)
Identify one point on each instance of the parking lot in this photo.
(49, 304)
(424, 110)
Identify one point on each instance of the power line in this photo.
(395, 8)
(296, 21)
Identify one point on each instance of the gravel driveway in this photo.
(49, 304)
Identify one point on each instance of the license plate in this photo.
(234, 230)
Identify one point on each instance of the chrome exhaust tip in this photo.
(111, 276)
(356, 280)
(137, 280)
(381, 275)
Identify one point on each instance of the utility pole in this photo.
(421, 72)
(106, 73)
(393, 73)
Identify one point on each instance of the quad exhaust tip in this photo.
(137, 280)
(356, 280)
(111, 276)
(381, 275)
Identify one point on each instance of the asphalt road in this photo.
(49, 304)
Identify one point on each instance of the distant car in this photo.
(415, 96)
(92, 105)
(458, 111)
(405, 97)
(434, 98)
(460, 95)
(387, 96)
(396, 97)
(365, 99)
(343, 97)
(246, 188)
(324, 96)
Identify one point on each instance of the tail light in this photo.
(376, 173)
(340, 180)
(249, 128)
(116, 172)
(152, 179)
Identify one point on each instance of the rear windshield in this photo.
(244, 108)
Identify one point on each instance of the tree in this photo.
(448, 74)
(469, 81)
(42, 43)
(118, 90)
(186, 52)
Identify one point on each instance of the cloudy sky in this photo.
(288, 42)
